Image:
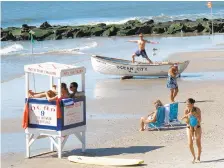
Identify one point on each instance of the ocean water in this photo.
(14, 55)
(75, 13)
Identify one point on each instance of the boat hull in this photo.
(112, 66)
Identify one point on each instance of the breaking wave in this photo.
(11, 49)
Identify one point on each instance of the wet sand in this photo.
(120, 103)
(202, 61)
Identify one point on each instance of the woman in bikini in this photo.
(172, 82)
(192, 114)
(51, 95)
(151, 117)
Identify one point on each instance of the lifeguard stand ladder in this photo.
(43, 119)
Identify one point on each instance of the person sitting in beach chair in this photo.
(74, 90)
(51, 95)
(151, 117)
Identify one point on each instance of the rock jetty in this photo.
(131, 27)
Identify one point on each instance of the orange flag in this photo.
(58, 107)
(209, 4)
(25, 116)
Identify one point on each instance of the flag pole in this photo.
(31, 40)
(31, 43)
(212, 22)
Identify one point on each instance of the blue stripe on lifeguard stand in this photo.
(60, 121)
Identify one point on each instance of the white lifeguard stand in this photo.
(43, 118)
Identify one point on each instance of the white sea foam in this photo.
(78, 50)
(11, 49)
(159, 18)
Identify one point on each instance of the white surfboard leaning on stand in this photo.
(104, 161)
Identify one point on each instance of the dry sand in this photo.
(122, 102)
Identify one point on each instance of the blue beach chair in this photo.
(173, 114)
(160, 119)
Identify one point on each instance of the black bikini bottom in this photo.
(197, 126)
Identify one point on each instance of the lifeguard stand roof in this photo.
(54, 69)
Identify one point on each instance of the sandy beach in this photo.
(118, 105)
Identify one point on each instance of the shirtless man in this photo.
(141, 48)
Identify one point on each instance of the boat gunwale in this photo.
(145, 64)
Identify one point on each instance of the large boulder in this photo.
(200, 20)
(82, 33)
(146, 29)
(60, 30)
(97, 31)
(103, 25)
(218, 26)
(112, 31)
(58, 37)
(130, 25)
(219, 20)
(25, 28)
(190, 26)
(24, 36)
(133, 23)
(149, 22)
(7, 36)
(161, 28)
(128, 32)
(45, 25)
(50, 37)
(69, 33)
(41, 34)
(186, 20)
(174, 28)
(200, 28)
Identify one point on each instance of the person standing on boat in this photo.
(141, 48)
(172, 82)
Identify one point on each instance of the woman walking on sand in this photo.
(172, 82)
(192, 115)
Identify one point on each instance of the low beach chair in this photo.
(160, 119)
(171, 114)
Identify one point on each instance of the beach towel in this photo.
(173, 111)
(167, 113)
(25, 116)
(68, 102)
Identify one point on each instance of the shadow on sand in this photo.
(168, 128)
(210, 161)
(112, 151)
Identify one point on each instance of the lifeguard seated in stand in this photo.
(74, 90)
(51, 95)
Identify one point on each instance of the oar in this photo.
(200, 101)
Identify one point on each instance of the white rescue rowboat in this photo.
(113, 66)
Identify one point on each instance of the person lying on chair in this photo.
(151, 117)
(51, 95)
